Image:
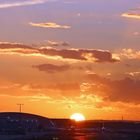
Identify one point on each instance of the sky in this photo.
(59, 57)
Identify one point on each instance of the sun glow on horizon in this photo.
(77, 117)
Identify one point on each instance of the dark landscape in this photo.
(16, 126)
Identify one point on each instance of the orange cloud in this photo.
(133, 74)
(131, 15)
(129, 53)
(50, 25)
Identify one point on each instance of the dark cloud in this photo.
(7, 45)
(50, 68)
(91, 55)
(125, 90)
(81, 54)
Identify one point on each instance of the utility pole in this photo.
(20, 107)
(122, 118)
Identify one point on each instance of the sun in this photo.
(77, 117)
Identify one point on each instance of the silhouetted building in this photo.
(13, 122)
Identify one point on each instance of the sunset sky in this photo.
(60, 57)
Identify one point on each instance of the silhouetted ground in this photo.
(69, 130)
(94, 136)
(81, 136)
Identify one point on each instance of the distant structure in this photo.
(103, 127)
(122, 118)
(20, 107)
(20, 123)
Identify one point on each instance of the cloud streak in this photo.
(21, 3)
(131, 15)
(50, 25)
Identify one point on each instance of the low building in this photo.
(20, 123)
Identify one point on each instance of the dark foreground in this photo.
(77, 135)
(92, 136)
(24, 126)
